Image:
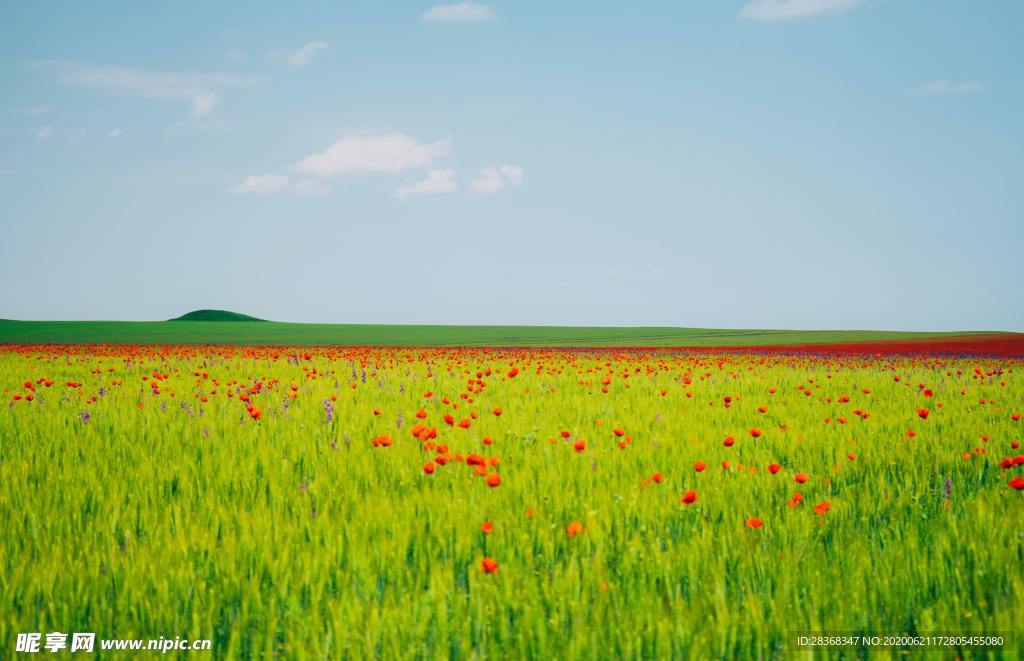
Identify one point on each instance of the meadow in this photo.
(225, 329)
(327, 502)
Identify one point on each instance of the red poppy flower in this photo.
(699, 466)
(689, 497)
(493, 480)
(487, 527)
(573, 529)
(923, 413)
(1017, 483)
(801, 478)
(773, 468)
(490, 565)
(754, 522)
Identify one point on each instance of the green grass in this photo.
(281, 333)
(184, 517)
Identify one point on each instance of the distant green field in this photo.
(272, 332)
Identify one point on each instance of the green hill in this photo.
(215, 315)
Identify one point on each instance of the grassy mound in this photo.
(215, 315)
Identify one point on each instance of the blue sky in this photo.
(718, 163)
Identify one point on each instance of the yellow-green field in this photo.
(142, 496)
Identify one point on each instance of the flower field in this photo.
(326, 502)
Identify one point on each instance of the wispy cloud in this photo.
(146, 84)
(358, 154)
(464, 12)
(300, 57)
(203, 104)
(950, 87)
(490, 180)
(437, 181)
(197, 87)
(261, 183)
(45, 133)
(779, 10)
(114, 133)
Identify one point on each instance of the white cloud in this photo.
(45, 133)
(203, 104)
(464, 12)
(777, 10)
(301, 57)
(114, 133)
(490, 180)
(235, 55)
(948, 87)
(261, 183)
(437, 181)
(357, 154)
